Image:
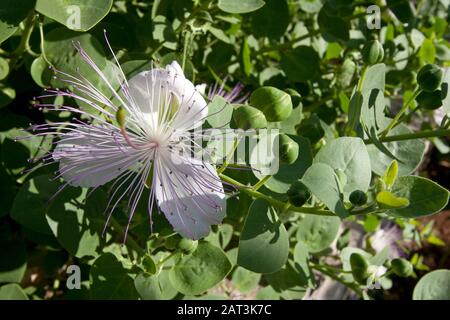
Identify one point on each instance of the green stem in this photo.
(275, 203)
(331, 268)
(27, 30)
(41, 34)
(399, 114)
(187, 40)
(415, 135)
(361, 80)
(130, 242)
(180, 27)
(335, 277)
(164, 260)
(261, 182)
(229, 157)
(24, 44)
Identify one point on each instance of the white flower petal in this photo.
(201, 88)
(190, 195)
(85, 162)
(151, 90)
(175, 68)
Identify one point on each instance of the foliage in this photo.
(346, 98)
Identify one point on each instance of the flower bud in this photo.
(187, 245)
(360, 266)
(430, 100)
(274, 103)
(298, 194)
(402, 267)
(288, 149)
(372, 52)
(358, 198)
(429, 77)
(247, 117)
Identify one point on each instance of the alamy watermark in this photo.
(74, 279)
(74, 19)
(373, 18)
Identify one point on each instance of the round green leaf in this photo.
(333, 27)
(7, 95)
(155, 287)
(7, 192)
(301, 64)
(373, 101)
(433, 286)
(79, 15)
(318, 232)
(323, 182)
(12, 12)
(301, 259)
(349, 155)
(219, 113)
(201, 270)
(240, 6)
(77, 221)
(245, 280)
(4, 68)
(445, 86)
(60, 51)
(15, 154)
(267, 293)
(408, 152)
(13, 261)
(287, 282)
(310, 6)
(40, 72)
(425, 197)
(222, 237)
(31, 203)
(387, 199)
(110, 280)
(272, 20)
(12, 291)
(264, 244)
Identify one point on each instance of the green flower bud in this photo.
(429, 77)
(372, 52)
(298, 194)
(430, 100)
(288, 149)
(274, 103)
(247, 117)
(187, 245)
(358, 198)
(295, 96)
(402, 267)
(360, 266)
